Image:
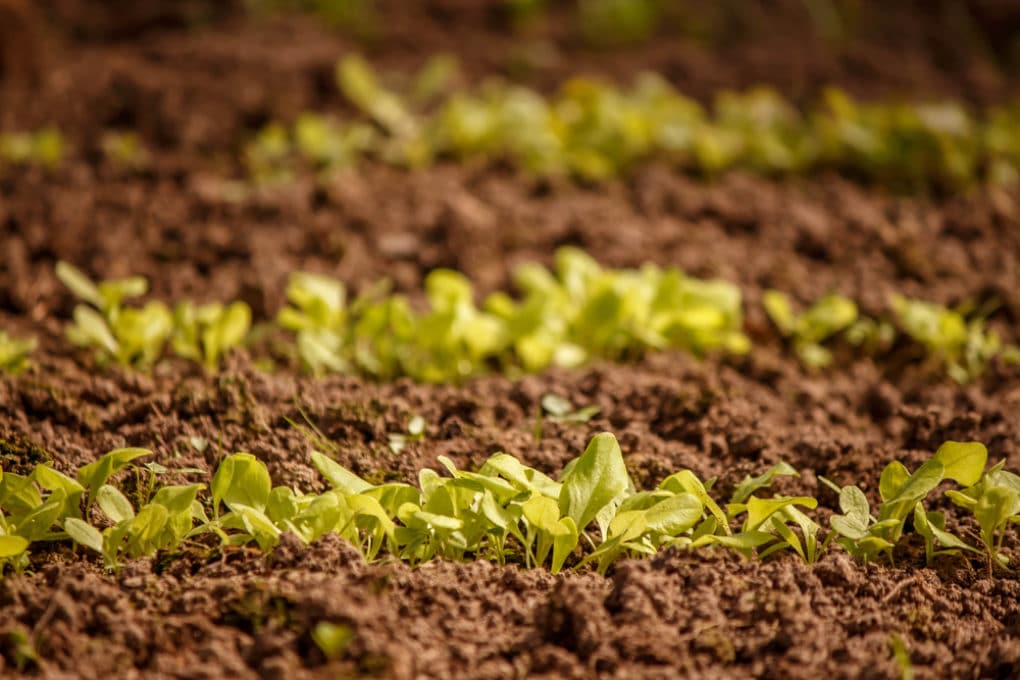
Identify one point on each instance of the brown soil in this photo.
(194, 93)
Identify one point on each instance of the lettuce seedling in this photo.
(44, 147)
(318, 314)
(206, 332)
(332, 639)
(14, 353)
(965, 347)
(825, 318)
(995, 502)
(415, 433)
(125, 149)
(560, 410)
(609, 23)
(126, 335)
(902, 493)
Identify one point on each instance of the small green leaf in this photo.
(114, 504)
(241, 479)
(597, 479)
(894, 476)
(751, 484)
(79, 284)
(339, 477)
(963, 462)
(332, 639)
(12, 546)
(84, 534)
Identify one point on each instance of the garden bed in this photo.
(195, 96)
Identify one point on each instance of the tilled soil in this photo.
(237, 613)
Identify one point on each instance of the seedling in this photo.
(506, 511)
(558, 409)
(995, 502)
(965, 347)
(125, 335)
(44, 147)
(125, 149)
(903, 495)
(827, 317)
(14, 353)
(332, 639)
(415, 433)
(206, 332)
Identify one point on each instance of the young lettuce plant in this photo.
(770, 522)
(995, 502)
(903, 494)
(129, 336)
(14, 353)
(965, 347)
(206, 332)
(318, 314)
(44, 147)
(825, 318)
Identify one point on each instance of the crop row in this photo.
(595, 130)
(505, 512)
(563, 317)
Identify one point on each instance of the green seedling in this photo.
(505, 512)
(560, 410)
(206, 333)
(903, 494)
(125, 335)
(44, 147)
(415, 433)
(995, 502)
(125, 149)
(965, 347)
(332, 639)
(807, 331)
(14, 353)
(607, 23)
(595, 130)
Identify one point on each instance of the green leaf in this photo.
(759, 510)
(79, 284)
(687, 481)
(339, 477)
(241, 479)
(994, 508)
(751, 484)
(94, 475)
(92, 329)
(893, 477)
(178, 499)
(963, 462)
(114, 504)
(258, 525)
(675, 515)
(12, 546)
(332, 639)
(597, 479)
(778, 307)
(84, 534)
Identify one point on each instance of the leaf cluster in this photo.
(43, 147)
(962, 345)
(904, 494)
(564, 317)
(136, 336)
(14, 353)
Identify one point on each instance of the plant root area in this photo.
(195, 91)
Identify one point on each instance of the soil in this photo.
(194, 82)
